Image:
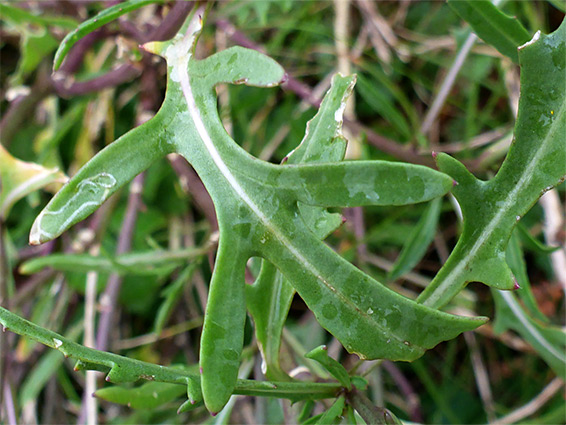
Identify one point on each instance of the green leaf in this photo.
(548, 341)
(257, 209)
(534, 243)
(88, 26)
(503, 32)
(268, 301)
(519, 311)
(147, 396)
(172, 296)
(17, 16)
(536, 162)
(320, 354)
(515, 259)
(18, 179)
(139, 263)
(418, 242)
(333, 414)
(36, 42)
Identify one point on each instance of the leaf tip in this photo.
(516, 284)
(35, 235)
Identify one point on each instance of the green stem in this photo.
(123, 369)
(290, 390)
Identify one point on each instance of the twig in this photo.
(482, 378)
(380, 32)
(447, 84)
(179, 328)
(120, 75)
(8, 404)
(532, 406)
(91, 404)
(553, 227)
(108, 299)
(409, 394)
(172, 22)
(191, 183)
(397, 150)
(475, 142)
(22, 107)
(27, 289)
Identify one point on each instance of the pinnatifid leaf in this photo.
(257, 209)
(536, 162)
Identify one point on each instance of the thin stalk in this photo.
(91, 403)
(481, 375)
(110, 296)
(448, 82)
(288, 390)
(532, 406)
(9, 404)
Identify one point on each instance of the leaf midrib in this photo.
(502, 212)
(194, 113)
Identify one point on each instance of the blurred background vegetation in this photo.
(154, 245)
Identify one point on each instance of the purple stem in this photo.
(122, 74)
(191, 182)
(110, 295)
(172, 22)
(9, 405)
